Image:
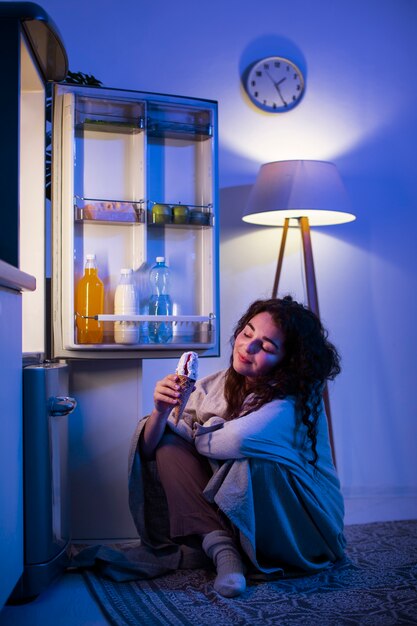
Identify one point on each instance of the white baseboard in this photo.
(380, 504)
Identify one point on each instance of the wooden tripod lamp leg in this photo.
(313, 304)
(280, 257)
(313, 301)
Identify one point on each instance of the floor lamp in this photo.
(308, 193)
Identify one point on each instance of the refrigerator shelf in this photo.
(202, 207)
(173, 213)
(111, 116)
(179, 121)
(107, 211)
(168, 129)
(189, 332)
(194, 319)
(110, 126)
(187, 225)
(183, 345)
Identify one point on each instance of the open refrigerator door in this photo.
(135, 178)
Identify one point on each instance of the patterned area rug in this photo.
(375, 585)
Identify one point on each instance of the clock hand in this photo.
(276, 85)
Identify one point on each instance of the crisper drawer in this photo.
(137, 181)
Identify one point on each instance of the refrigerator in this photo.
(117, 158)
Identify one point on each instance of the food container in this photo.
(161, 214)
(180, 214)
(199, 217)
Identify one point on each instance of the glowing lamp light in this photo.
(294, 189)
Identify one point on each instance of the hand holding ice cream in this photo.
(187, 372)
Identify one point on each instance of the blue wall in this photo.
(360, 111)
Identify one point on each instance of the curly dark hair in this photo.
(309, 361)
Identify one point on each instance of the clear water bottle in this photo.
(125, 303)
(160, 301)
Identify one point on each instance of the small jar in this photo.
(199, 217)
(180, 214)
(161, 214)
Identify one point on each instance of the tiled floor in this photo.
(69, 603)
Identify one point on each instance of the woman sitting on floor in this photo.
(247, 472)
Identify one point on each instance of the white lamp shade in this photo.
(296, 189)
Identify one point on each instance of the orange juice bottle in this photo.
(89, 301)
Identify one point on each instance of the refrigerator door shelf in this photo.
(165, 129)
(109, 211)
(179, 120)
(179, 214)
(117, 116)
(196, 331)
(153, 318)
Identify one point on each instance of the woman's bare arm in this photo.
(165, 397)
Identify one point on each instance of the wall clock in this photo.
(275, 84)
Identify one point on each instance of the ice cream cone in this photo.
(186, 386)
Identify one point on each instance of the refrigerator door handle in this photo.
(61, 405)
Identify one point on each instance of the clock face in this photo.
(275, 84)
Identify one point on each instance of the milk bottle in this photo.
(125, 303)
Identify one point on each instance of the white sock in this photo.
(220, 547)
